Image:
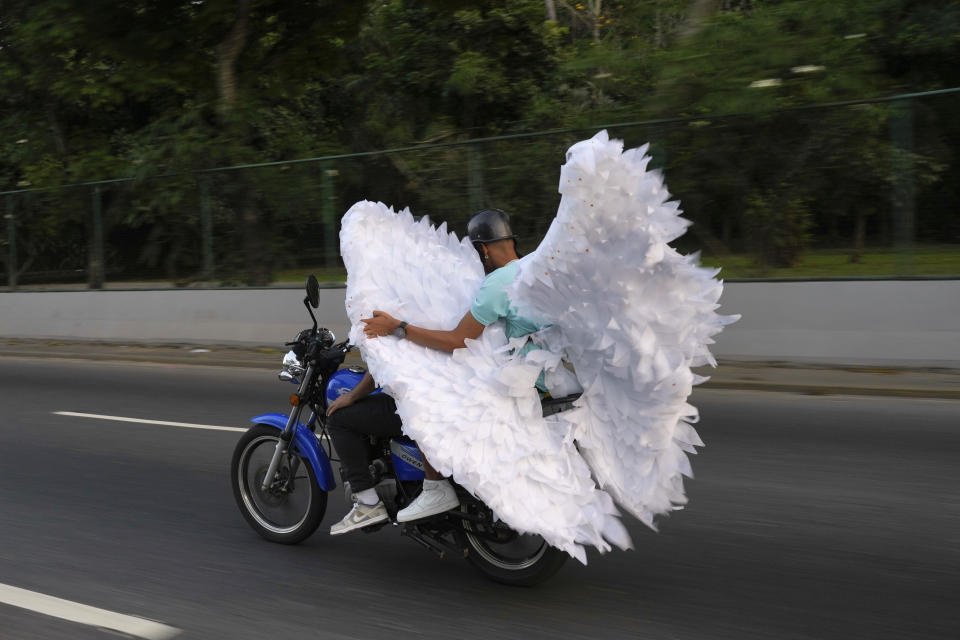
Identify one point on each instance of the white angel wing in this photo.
(475, 413)
(408, 268)
(631, 314)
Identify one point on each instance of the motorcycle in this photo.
(282, 472)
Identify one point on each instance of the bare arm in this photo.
(364, 388)
(383, 324)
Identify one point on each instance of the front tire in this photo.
(291, 509)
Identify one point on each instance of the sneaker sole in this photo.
(360, 525)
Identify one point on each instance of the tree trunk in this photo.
(59, 141)
(658, 30)
(859, 235)
(95, 261)
(551, 10)
(228, 52)
(700, 11)
(726, 232)
(596, 9)
(257, 271)
(573, 21)
(254, 247)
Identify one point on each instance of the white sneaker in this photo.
(435, 498)
(360, 516)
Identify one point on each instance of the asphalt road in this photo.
(811, 517)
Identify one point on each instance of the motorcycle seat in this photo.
(556, 405)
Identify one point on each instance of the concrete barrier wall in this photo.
(855, 322)
(262, 317)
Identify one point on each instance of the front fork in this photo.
(283, 444)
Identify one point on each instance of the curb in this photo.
(266, 360)
(269, 360)
(819, 390)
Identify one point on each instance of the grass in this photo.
(300, 274)
(927, 260)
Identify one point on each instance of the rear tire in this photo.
(290, 510)
(518, 560)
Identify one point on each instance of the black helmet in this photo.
(489, 225)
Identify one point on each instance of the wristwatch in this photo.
(401, 331)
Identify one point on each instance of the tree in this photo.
(142, 88)
(764, 61)
(174, 86)
(426, 74)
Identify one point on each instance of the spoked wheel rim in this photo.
(515, 553)
(284, 506)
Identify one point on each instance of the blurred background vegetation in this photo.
(804, 138)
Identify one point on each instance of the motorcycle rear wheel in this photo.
(519, 560)
(291, 509)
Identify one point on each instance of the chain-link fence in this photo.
(861, 189)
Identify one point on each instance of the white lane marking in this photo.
(165, 423)
(83, 614)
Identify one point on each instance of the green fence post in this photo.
(206, 226)
(95, 277)
(903, 183)
(12, 247)
(329, 213)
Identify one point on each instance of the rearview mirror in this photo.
(313, 291)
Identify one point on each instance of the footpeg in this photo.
(423, 541)
(433, 543)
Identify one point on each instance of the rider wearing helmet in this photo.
(494, 240)
(489, 226)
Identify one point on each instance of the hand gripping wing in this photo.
(631, 315)
(475, 413)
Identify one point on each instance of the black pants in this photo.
(350, 429)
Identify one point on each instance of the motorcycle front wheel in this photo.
(508, 557)
(292, 507)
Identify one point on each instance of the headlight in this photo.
(292, 368)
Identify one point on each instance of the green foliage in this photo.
(924, 260)
(421, 72)
(103, 89)
(140, 89)
(761, 61)
(778, 228)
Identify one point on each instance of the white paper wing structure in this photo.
(631, 315)
(475, 413)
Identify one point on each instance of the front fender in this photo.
(305, 444)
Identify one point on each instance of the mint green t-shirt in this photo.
(492, 303)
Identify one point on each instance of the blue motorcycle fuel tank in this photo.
(343, 381)
(406, 459)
